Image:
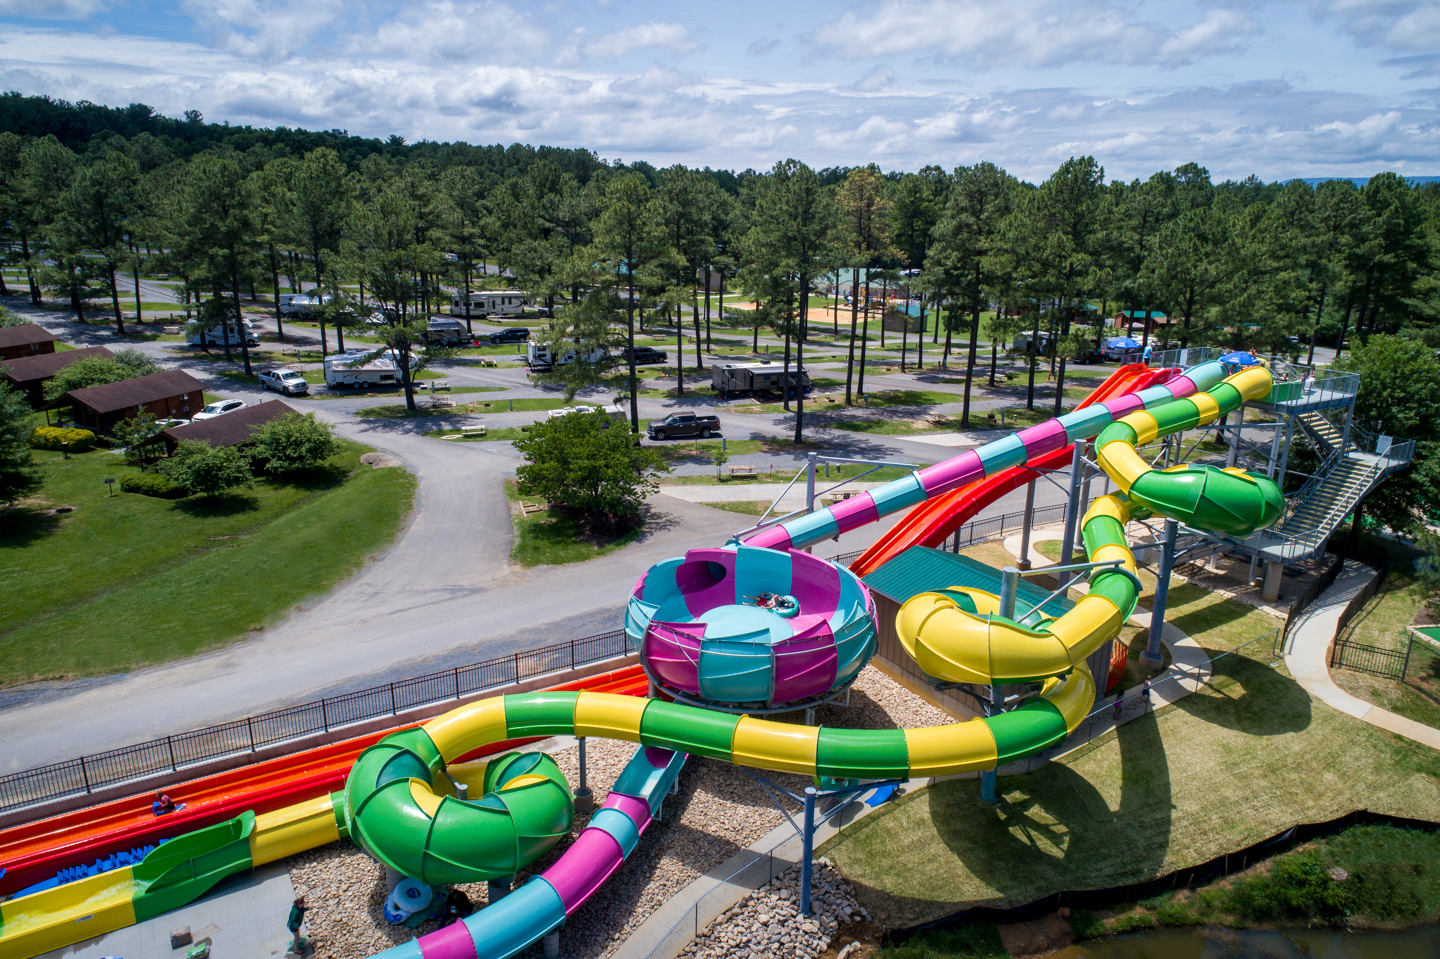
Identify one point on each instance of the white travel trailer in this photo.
(215, 336)
(490, 303)
(540, 357)
(353, 369)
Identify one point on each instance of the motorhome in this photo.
(353, 369)
(443, 332)
(538, 356)
(755, 379)
(300, 304)
(214, 336)
(490, 303)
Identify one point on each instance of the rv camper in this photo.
(756, 379)
(538, 356)
(352, 369)
(490, 303)
(215, 336)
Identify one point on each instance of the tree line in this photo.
(90, 193)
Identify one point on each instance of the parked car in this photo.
(646, 354)
(289, 382)
(511, 334)
(219, 408)
(686, 423)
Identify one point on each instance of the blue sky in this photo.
(1283, 88)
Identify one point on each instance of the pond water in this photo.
(1210, 943)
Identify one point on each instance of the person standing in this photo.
(298, 909)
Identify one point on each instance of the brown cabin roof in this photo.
(24, 335)
(42, 366)
(228, 429)
(109, 397)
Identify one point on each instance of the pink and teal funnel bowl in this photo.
(704, 633)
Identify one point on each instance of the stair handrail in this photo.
(1348, 501)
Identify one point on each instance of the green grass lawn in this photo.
(1217, 771)
(1382, 622)
(551, 538)
(881, 399)
(127, 580)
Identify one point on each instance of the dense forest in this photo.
(89, 192)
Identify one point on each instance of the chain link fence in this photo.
(172, 753)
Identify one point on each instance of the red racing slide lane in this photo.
(931, 522)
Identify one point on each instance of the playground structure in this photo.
(758, 626)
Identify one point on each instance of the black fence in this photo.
(172, 753)
(1394, 663)
(1205, 872)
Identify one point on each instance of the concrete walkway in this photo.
(244, 916)
(1308, 658)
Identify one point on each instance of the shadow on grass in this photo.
(323, 477)
(20, 527)
(1053, 827)
(1252, 698)
(224, 504)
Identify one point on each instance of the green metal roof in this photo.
(921, 569)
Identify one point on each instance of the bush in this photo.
(50, 438)
(152, 484)
(294, 442)
(203, 469)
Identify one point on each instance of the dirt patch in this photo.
(1036, 938)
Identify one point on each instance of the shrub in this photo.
(50, 438)
(203, 469)
(152, 484)
(294, 442)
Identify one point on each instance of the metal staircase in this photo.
(1351, 467)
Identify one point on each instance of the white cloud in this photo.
(665, 37)
(480, 32)
(52, 9)
(1401, 25)
(265, 29)
(1037, 32)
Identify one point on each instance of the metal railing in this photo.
(1184, 358)
(1328, 385)
(1362, 657)
(87, 774)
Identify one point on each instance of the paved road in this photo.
(442, 595)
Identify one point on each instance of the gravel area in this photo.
(717, 811)
(767, 924)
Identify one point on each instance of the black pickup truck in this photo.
(687, 423)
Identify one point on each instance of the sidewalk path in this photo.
(1308, 658)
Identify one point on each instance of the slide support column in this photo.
(1024, 562)
(584, 795)
(807, 851)
(1153, 657)
(1072, 513)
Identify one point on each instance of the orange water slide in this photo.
(932, 521)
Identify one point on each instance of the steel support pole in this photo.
(584, 795)
(1234, 435)
(810, 482)
(807, 842)
(1279, 476)
(1072, 512)
(1153, 657)
(1024, 562)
